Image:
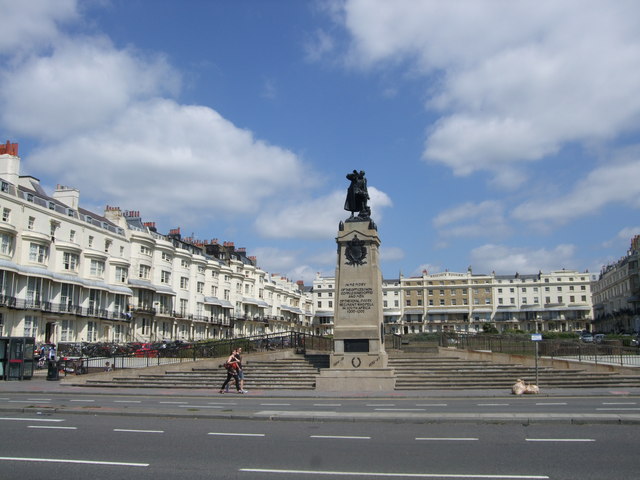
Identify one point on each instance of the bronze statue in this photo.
(357, 196)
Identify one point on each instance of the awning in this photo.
(448, 310)
(255, 301)
(413, 312)
(64, 278)
(324, 314)
(141, 284)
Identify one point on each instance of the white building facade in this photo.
(70, 275)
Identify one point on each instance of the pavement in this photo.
(39, 385)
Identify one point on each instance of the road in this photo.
(124, 447)
(524, 409)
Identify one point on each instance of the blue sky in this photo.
(501, 135)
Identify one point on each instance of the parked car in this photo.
(598, 338)
(586, 337)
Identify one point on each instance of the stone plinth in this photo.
(359, 360)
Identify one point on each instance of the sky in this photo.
(500, 135)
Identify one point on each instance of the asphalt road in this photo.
(99, 447)
(521, 409)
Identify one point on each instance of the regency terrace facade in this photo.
(469, 303)
(71, 275)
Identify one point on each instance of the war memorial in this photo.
(358, 361)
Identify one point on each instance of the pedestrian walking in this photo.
(232, 372)
(238, 356)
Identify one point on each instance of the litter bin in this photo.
(52, 371)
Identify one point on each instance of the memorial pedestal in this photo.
(359, 360)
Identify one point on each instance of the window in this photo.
(184, 307)
(524, 299)
(512, 301)
(107, 245)
(96, 268)
(583, 298)
(419, 302)
(37, 253)
(536, 300)
(32, 221)
(90, 241)
(122, 273)
(559, 299)
(166, 257)
(408, 303)
(144, 272)
(384, 304)
(72, 236)
(454, 301)
(70, 261)
(6, 244)
(319, 294)
(330, 304)
(319, 304)
(92, 331)
(200, 287)
(442, 301)
(487, 301)
(6, 214)
(144, 250)
(214, 290)
(30, 326)
(66, 331)
(165, 277)
(184, 264)
(184, 282)
(572, 299)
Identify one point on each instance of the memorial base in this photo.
(350, 380)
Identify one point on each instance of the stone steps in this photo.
(425, 372)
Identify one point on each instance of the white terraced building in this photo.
(471, 303)
(71, 275)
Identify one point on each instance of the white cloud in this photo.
(614, 183)
(473, 220)
(33, 23)
(516, 81)
(202, 164)
(509, 260)
(426, 267)
(84, 84)
(623, 238)
(315, 218)
(390, 254)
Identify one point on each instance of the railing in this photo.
(604, 353)
(95, 355)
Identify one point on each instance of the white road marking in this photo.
(52, 428)
(276, 404)
(399, 409)
(449, 439)
(85, 401)
(492, 404)
(127, 401)
(386, 474)
(347, 437)
(380, 404)
(32, 419)
(175, 403)
(237, 434)
(551, 403)
(560, 440)
(223, 403)
(199, 406)
(431, 404)
(39, 399)
(327, 404)
(29, 401)
(619, 403)
(137, 431)
(619, 409)
(66, 460)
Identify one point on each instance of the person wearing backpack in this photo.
(231, 365)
